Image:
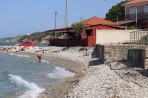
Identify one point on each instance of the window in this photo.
(88, 32)
(146, 9)
(133, 12)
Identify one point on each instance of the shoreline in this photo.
(63, 88)
(109, 80)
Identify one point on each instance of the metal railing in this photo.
(139, 15)
(139, 38)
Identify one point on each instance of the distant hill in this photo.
(36, 37)
(6, 39)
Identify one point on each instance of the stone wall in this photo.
(146, 59)
(127, 52)
(136, 56)
(116, 52)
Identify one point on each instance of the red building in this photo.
(88, 36)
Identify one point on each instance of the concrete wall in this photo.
(112, 36)
(140, 8)
(136, 54)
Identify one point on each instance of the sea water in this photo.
(7, 44)
(15, 44)
(22, 76)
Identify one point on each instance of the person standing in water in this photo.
(40, 56)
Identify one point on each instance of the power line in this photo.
(110, 1)
(60, 16)
(90, 7)
(55, 20)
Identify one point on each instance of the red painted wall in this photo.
(86, 40)
(69, 42)
(91, 40)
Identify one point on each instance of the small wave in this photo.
(23, 56)
(45, 61)
(11, 54)
(19, 55)
(33, 89)
(34, 61)
(60, 73)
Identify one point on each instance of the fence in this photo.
(139, 38)
(136, 51)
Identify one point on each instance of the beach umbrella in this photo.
(65, 36)
(49, 38)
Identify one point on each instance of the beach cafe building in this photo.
(88, 36)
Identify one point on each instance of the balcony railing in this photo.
(139, 16)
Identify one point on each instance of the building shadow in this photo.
(134, 60)
(144, 72)
(97, 56)
(136, 67)
(95, 62)
(111, 65)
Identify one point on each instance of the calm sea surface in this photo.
(14, 44)
(7, 44)
(23, 77)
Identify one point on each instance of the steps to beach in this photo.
(146, 59)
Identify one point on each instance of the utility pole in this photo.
(136, 17)
(66, 13)
(55, 20)
(55, 23)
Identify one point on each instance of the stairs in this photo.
(146, 59)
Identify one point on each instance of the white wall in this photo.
(112, 36)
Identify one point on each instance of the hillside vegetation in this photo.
(36, 37)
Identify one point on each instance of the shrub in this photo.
(82, 49)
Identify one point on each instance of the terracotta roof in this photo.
(91, 22)
(135, 2)
(115, 26)
(96, 21)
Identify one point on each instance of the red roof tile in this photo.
(91, 22)
(96, 21)
(135, 2)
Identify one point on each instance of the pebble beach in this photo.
(109, 80)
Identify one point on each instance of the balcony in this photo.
(139, 16)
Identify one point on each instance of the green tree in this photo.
(144, 40)
(79, 28)
(117, 11)
(131, 28)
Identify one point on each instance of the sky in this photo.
(19, 17)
